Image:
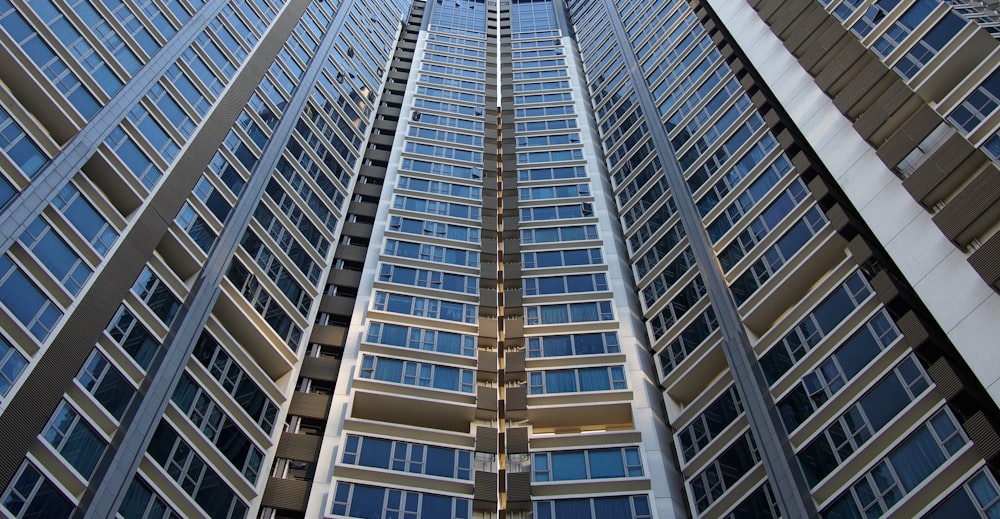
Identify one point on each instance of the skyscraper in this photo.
(458, 258)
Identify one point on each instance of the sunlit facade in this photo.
(525, 259)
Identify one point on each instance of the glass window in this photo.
(635, 507)
(421, 339)
(850, 358)
(42, 55)
(257, 294)
(235, 381)
(706, 426)
(818, 323)
(179, 79)
(12, 363)
(684, 300)
(736, 210)
(723, 472)
(102, 380)
(669, 275)
(195, 227)
(30, 494)
(978, 106)
(778, 255)
(978, 497)
(689, 339)
(133, 158)
(558, 212)
(141, 502)
(60, 259)
(762, 504)
(74, 439)
(562, 172)
(18, 147)
(742, 169)
(154, 292)
(578, 344)
(660, 249)
(759, 228)
(420, 374)
(570, 257)
(436, 229)
(25, 301)
(586, 464)
(197, 478)
(927, 47)
(218, 427)
(873, 16)
(429, 279)
(85, 219)
(133, 337)
(153, 132)
(559, 234)
(862, 420)
(368, 502)
(426, 307)
(565, 284)
(902, 470)
(436, 207)
(901, 28)
(576, 380)
(407, 456)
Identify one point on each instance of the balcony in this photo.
(253, 333)
(420, 407)
(286, 494)
(309, 405)
(320, 368)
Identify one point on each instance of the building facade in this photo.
(526, 259)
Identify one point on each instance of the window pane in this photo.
(606, 463)
(568, 465)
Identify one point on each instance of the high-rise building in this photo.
(516, 259)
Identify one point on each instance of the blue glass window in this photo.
(407, 456)
(576, 380)
(134, 159)
(559, 234)
(420, 374)
(141, 502)
(421, 339)
(565, 284)
(18, 147)
(902, 470)
(426, 307)
(368, 502)
(30, 494)
(218, 427)
(560, 258)
(154, 292)
(85, 219)
(25, 301)
(618, 507)
(577, 344)
(12, 363)
(569, 313)
(434, 253)
(235, 381)
(102, 380)
(196, 477)
(63, 262)
(586, 464)
(979, 105)
(74, 439)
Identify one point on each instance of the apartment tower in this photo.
(516, 259)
